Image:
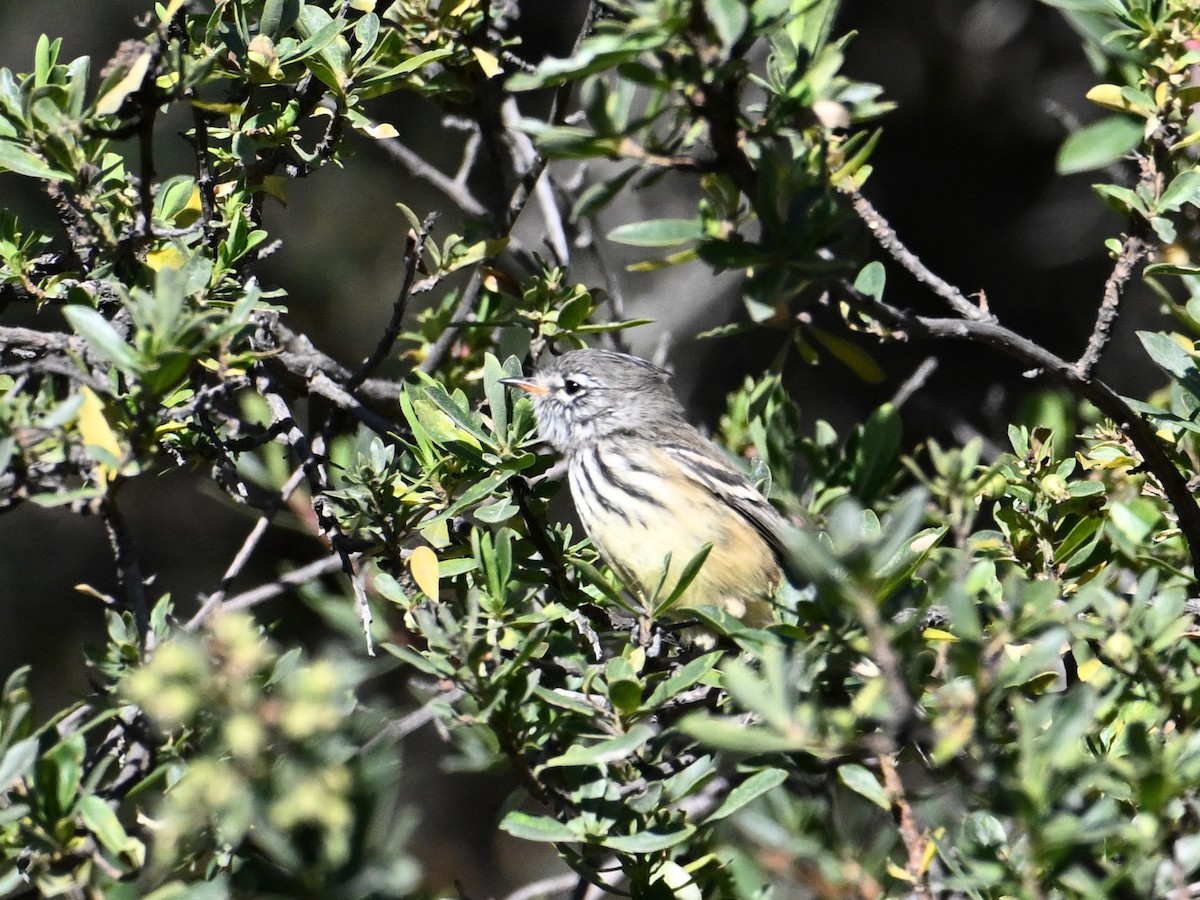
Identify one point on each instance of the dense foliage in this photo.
(986, 684)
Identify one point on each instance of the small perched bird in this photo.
(647, 484)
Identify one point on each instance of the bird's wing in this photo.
(708, 467)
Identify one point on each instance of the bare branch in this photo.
(414, 247)
(1133, 249)
(890, 242)
(129, 571)
(463, 313)
(310, 454)
(454, 188)
(327, 565)
(915, 842)
(215, 600)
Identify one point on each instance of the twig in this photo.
(890, 242)
(324, 386)
(556, 234)
(297, 361)
(915, 381)
(214, 600)
(915, 842)
(414, 247)
(129, 571)
(261, 594)
(311, 459)
(462, 314)
(1133, 248)
(454, 188)
(204, 177)
(545, 887)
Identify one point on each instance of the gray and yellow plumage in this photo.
(647, 484)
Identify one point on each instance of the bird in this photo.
(651, 491)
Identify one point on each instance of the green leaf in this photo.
(1122, 199)
(278, 17)
(690, 571)
(60, 771)
(463, 419)
(723, 733)
(599, 52)
(1098, 144)
(683, 678)
(658, 232)
(99, 332)
(598, 195)
(1184, 188)
(877, 453)
(17, 762)
(497, 394)
(617, 748)
(15, 158)
(537, 828)
(648, 841)
(729, 18)
(862, 781)
(750, 789)
(1172, 359)
(871, 279)
(101, 821)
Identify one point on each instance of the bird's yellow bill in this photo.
(526, 384)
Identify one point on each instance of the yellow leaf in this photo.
(1088, 670)
(898, 873)
(97, 433)
(1016, 651)
(110, 103)
(168, 257)
(424, 567)
(380, 131)
(1186, 142)
(1110, 96)
(930, 850)
(191, 211)
(462, 7)
(849, 354)
(937, 634)
(262, 54)
(225, 109)
(487, 62)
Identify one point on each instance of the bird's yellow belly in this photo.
(739, 575)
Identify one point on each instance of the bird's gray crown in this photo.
(588, 395)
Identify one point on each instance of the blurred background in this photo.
(986, 90)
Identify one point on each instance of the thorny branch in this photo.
(1133, 249)
(415, 246)
(310, 455)
(214, 601)
(129, 571)
(890, 242)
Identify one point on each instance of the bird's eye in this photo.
(572, 387)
